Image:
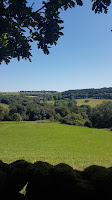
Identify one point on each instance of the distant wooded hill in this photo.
(102, 93)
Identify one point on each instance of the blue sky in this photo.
(81, 59)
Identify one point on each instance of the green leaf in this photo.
(79, 2)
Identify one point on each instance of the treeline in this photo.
(23, 108)
(102, 93)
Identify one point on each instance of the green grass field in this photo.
(91, 102)
(55, 143)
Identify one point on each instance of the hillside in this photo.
(91, 102)
(102, 93)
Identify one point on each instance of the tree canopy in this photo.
(20, 25)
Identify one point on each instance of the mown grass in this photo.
(55, 143)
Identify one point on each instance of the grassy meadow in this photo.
(55, 143)
(87, 101)
(91, 102)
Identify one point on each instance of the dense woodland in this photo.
(103, 93)
(57, 107)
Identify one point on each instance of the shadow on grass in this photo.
(42, 180)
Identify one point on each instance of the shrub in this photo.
(88, 123)
(40, 181)
(16, 117)
(18, 175)
(64, 176)
(47, 181)
(3, 177)
(100, 178)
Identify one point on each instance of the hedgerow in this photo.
(43, 180)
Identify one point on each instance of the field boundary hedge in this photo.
(43, 180)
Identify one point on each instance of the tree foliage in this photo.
(4, 110)
(16, 117)
(101, 116)
(19, 107)
(20, 25)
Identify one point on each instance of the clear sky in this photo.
(81, 59)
